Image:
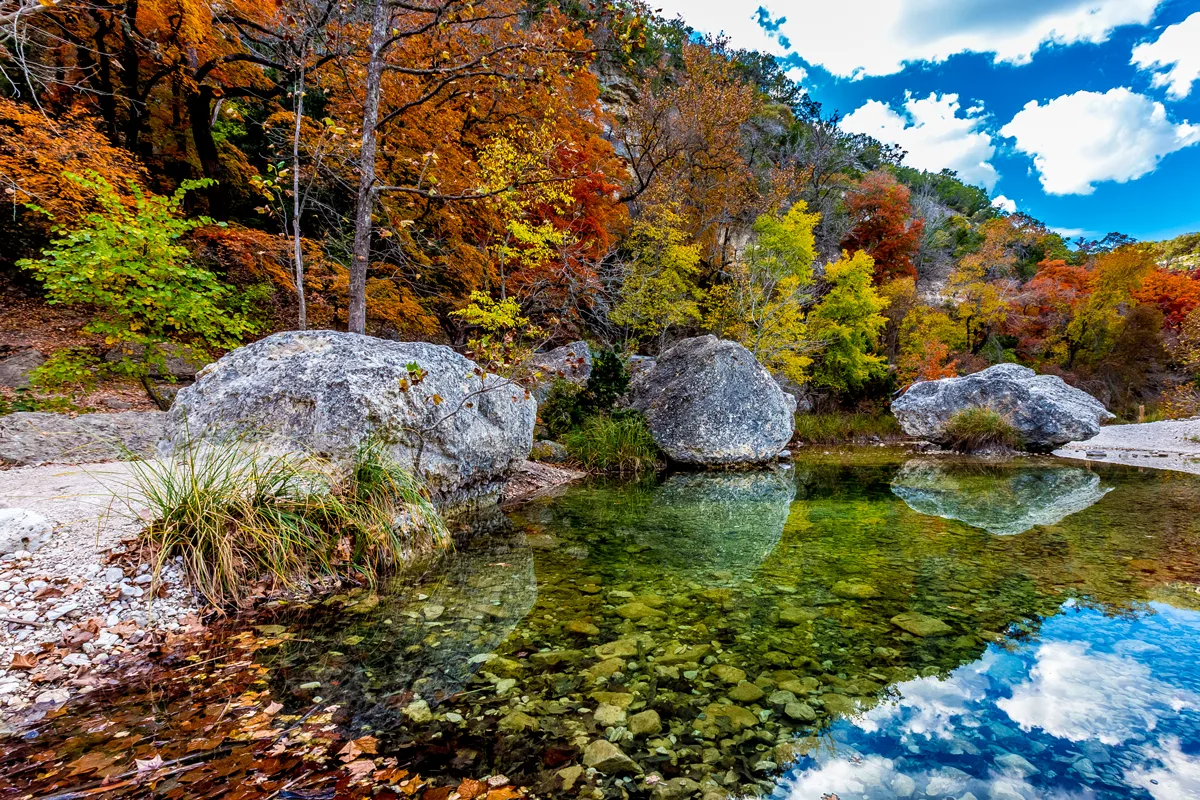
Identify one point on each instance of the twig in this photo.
(16, 621)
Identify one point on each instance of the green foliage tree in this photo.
(659, 288)
(847, 323)
(127, 262)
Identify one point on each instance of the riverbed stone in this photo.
(518, 722)
(461, 430)
(581, 627)
(798, 710)
(637, 611)
(739, 718)
(746, 692)
(921, 624)
(606, 758)
(708, 402)
(1043, 408)
(645, 723)
(853, 590)
(728, 674)
(677, 653)
(608, 715)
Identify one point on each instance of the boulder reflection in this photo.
(1001, 499)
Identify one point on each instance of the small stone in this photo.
(609, 715)
(646, 723)
(143, 579)
(454, 716)
(53, 697)
(1003, 790)
(76, 660)
(738, 717)
(921, 624)
(569, 775)
(623, 648)
(780, 698)
(605, 669)
(128, 590)
(727, 674)
(114, 575)
(518, 722)
(745, 692)
(61, 611)
(678, 654)
(637, 611)
(505, 685)
(903, 786)
(765, 766)
(618, 699)
(792, 615)
(606, 758)
(1016, 763)
(581, 627)
(418, 711)
(800, 711)
(433, 611)
(849, 590)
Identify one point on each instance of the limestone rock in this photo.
(921, 624)
(645, 723)
(606, 758)
(549, 452)
(707, 401)
(1047, 412)
(571, 362)
(22, 529)
(324, 392)
(16, 366)
(29, 438)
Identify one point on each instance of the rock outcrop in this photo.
(1047, 412)
(16, 366)
(324, 392)
(22, 529)
(708, 402)
(30, 438)
(1002, 499)
(571, 362)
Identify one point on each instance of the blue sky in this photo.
(1083, 113)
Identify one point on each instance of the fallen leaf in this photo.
(24, 661)
(47, 591)
(275, 708)
(148, 764)
(368, 744)
(469, 789)
(361, 769)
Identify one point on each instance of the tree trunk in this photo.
(366, 171)
(199, 106)
(297, 251)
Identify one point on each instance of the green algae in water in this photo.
(774, 633)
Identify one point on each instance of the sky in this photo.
(1082, 113)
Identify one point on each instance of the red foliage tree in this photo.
(884, 226)
(1174, 293)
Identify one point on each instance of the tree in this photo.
(768, 293)
(1175, 294)
(1097, 322)
(658, 290)
(847, 323)
(127, 264)
(883, 226)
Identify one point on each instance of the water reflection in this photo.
(1095, 708)
(1001, 499)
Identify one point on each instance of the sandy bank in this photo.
(1171, 444)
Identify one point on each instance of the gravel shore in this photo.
(1171, 444)
(72, 608)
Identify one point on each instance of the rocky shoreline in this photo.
(84, 605)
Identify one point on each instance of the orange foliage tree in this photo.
(883, 226)
(1175, 294)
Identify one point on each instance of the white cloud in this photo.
(877, 37)
(1168, 773)
(1004, 204)
(1077, 695)
(1078, 140)
(1174, 57)
(934, 133)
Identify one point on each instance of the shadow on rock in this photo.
(1001, 499)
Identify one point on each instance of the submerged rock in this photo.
(323, 392)
(707, 401)
(1045, 410)
(29, 438)
(1001, 499)
(921, 624)
(606, 758)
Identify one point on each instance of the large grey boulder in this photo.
(1046, 411)
(708, 402)
(324, 392)
(571, 362)
(1001, 499)
(29, 438)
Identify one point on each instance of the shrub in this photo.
(234, 513)
(839, 428)
(608, 381)
(619, 443)
(974, 429)
(562, 410)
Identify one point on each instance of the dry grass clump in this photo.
(236, 513)
(975, 429)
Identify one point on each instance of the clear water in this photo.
(863, 625)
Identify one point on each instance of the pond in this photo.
(863, 625)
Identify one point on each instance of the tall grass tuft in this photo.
(237, 512)
(974, 429)
(843, 428)
(619, 443)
